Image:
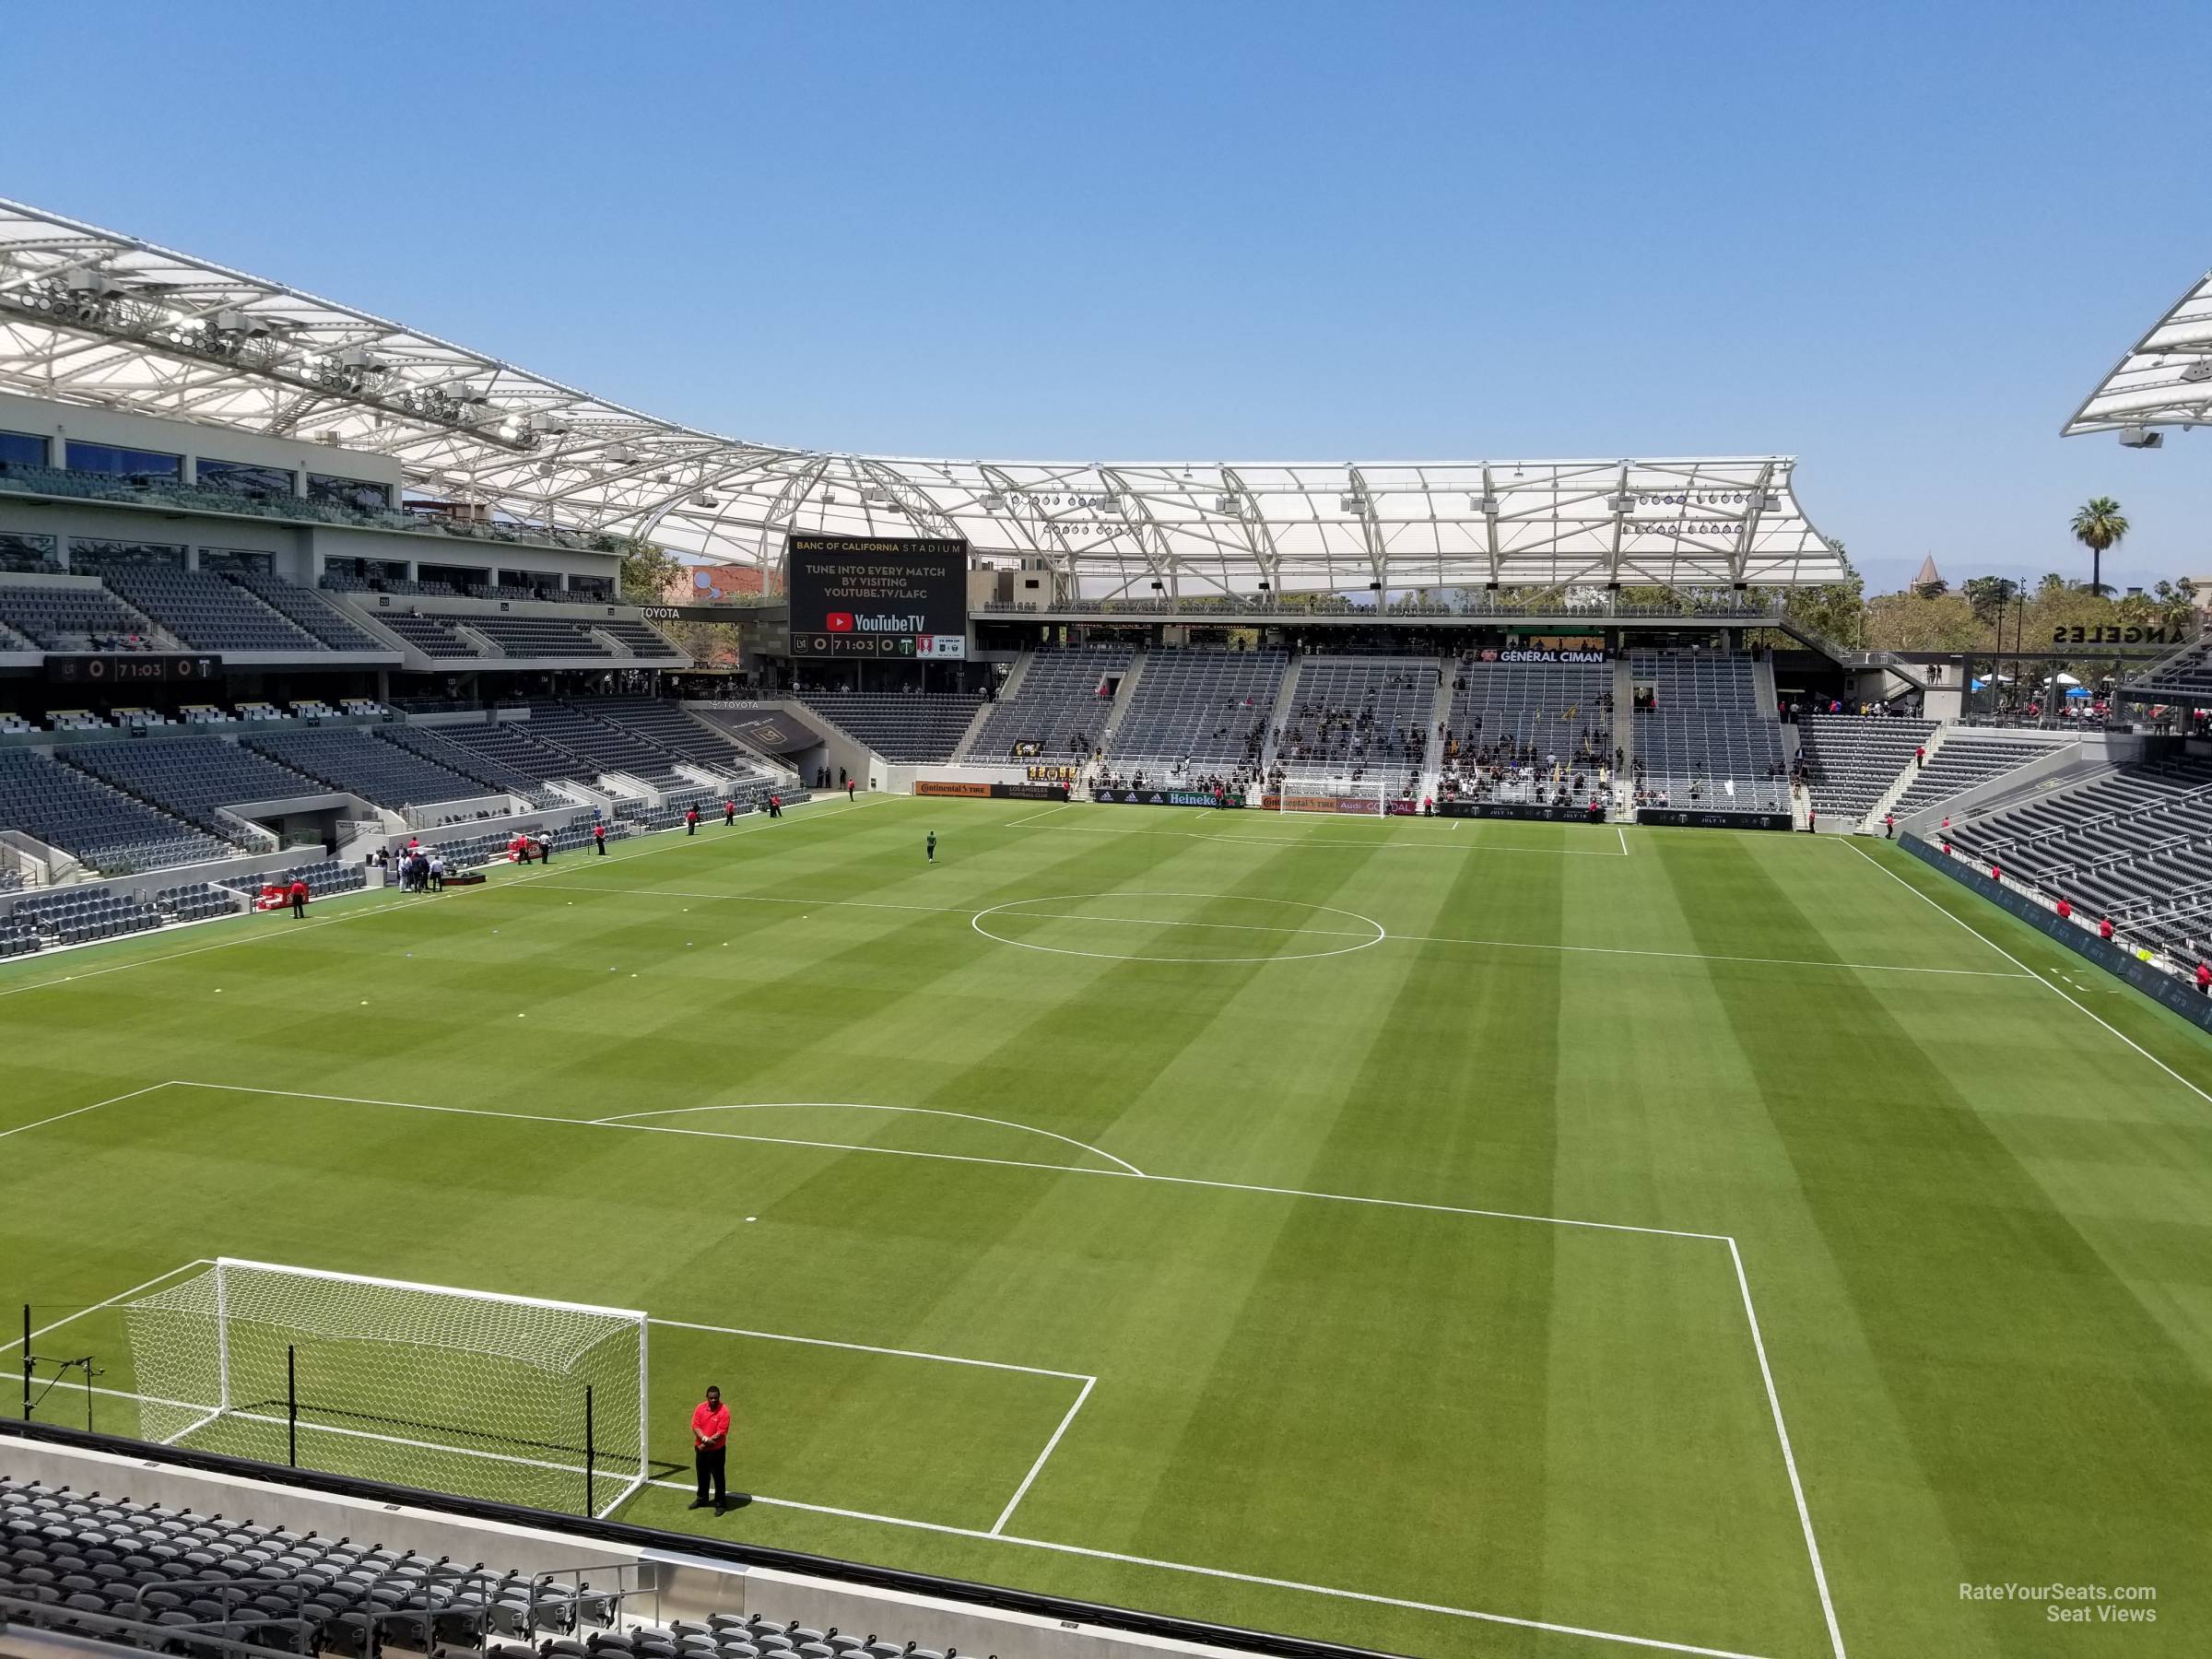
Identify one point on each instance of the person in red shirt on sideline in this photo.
(2104, 929)
(599, 838)
(851, 785)
(298, 894)
(729, 814)
(690, 820)
(710, 1448)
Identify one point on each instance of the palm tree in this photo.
(2097, 526)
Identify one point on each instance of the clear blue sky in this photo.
(1901, 243)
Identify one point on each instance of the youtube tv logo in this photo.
(838, 622)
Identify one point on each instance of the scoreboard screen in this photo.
(870, 596)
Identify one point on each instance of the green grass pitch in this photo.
(1456, 1236)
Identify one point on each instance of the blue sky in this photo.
(1899, 244)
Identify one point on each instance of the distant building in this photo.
(703, 585)
(1929, 580)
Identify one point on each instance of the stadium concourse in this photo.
(1392, 1057)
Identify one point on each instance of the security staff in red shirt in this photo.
(599, 838)
(710, 1448)
(2104, 929)
(298, 894)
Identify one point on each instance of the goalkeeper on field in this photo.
(711, 1448)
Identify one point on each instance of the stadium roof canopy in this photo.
(90, 316)
(2166, 380)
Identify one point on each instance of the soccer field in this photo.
(1452, 1236)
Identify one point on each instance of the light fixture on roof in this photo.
(2141, 438)
(2198, 372)
(1769, 502)
(1111, 504)
(1352, 503)
(1624, 503)
(552, 425)
(876, 495)
(1228, 506)
(88, 283)
(704, 498)
(357, 357)
(545, 470)
(467, 392)
(994, 502)
(662, 477)
(1483, 504)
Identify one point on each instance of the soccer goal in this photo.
(1332, 795)
(511, 1397)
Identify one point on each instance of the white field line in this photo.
(865, 1348)
(1033, 817)
(1190, 1181)
(961, 910)
(120, 1295)
(353, 913)
(2027, 973)
(766, 1140)
(80, 1110)
(623, 1117)
(1647, 1643)
(1036, 1468)
(1163, 1565)
(1624, 840)
(1789, 1458)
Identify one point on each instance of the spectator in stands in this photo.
(711, 1448)
(2065, 910)
(2203, 979)
(1920, 759)
(2104, 929)
(298, 894)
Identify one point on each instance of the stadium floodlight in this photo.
(2141, 438)
(1228, 506)
(509, 1397)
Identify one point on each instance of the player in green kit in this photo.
(931, 845)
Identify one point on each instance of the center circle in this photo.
(1180, 927)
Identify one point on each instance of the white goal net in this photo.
(526, 1401)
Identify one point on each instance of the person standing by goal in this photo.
(711, 1448)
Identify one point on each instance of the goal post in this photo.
(516, 1398)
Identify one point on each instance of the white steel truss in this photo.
(2166, 378)
(90, 316)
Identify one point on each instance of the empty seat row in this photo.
(905, 727)
(1060, 708)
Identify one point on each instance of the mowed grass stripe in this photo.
(1915, 1181)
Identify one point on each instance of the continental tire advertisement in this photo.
(962, 790)
(870, 596)
(1367, 804)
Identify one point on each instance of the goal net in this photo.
(1331, 796)
(509, 1397)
